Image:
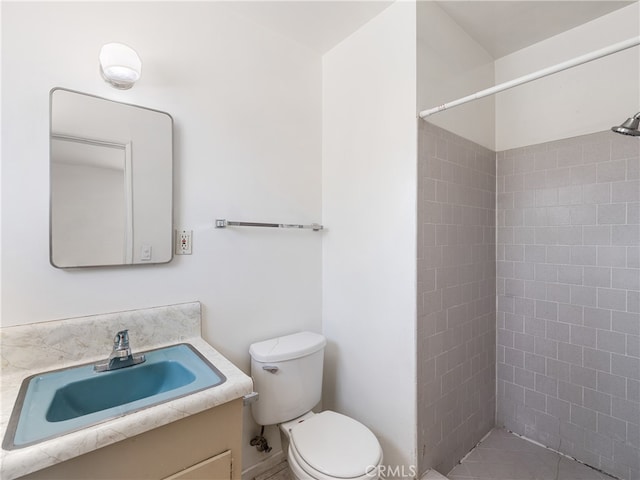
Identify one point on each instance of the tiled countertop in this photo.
(30, 349)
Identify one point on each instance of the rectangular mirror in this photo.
(111, 178)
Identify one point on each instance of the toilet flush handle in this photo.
(270, 368)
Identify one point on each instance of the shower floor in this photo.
(504, 456)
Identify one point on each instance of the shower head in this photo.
(630, 127)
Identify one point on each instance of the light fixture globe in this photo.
(120, 65)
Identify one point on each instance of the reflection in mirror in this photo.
(100, 174)
(111, 182)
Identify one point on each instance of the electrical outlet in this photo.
(183, 242)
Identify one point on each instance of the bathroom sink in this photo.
(101, 392)
(61, 401)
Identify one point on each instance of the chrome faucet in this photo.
(121, 355)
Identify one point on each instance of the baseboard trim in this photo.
(261, 467)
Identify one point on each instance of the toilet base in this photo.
(296, 470)
(300, 474)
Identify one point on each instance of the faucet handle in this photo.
(121, 340)
(120, 355)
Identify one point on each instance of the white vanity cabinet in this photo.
(206, 445)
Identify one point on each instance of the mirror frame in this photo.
(53, 136)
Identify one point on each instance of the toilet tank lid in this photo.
(288, 347)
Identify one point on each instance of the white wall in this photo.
(247, 109)
(451, 65)
(586, 99)
(369, 250)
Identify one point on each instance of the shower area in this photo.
(527, 242)
(528, 268)
(568, 277)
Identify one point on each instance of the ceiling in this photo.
(320, 25)
(501, 27)
(504, 27)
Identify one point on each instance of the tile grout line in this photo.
(560, 454)
(474, 447)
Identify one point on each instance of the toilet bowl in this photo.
(330, 446)
(287, 374)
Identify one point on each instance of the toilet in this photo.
(287, 373)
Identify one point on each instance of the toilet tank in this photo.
(287, 373)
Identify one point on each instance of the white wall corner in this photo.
(369, 251)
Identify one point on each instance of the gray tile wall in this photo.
(568, 282)
(456, 296)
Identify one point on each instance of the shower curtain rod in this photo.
(603, 52)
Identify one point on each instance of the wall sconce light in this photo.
(120, 65)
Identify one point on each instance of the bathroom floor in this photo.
(504, 456)
(280, 471)
(500, 456)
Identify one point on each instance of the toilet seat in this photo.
(331, 446)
